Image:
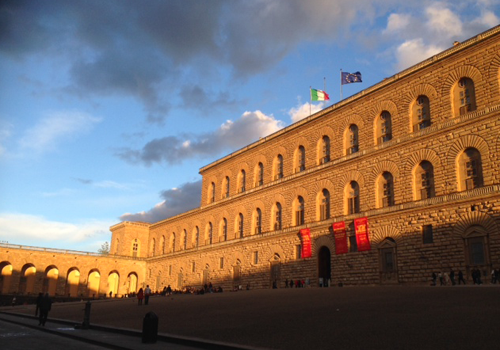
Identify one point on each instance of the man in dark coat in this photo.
(45, 306)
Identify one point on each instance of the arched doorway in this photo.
(73, 282)
(132, 283)
(477, 255)
(275, 271)
(388, 262)
(50, 281)
(5, 277)
(27, 281)
(113, 283)
(324, 267)
(93, 283)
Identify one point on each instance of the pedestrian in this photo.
(286, 283)
(147, 293)
(140, 296)
(460, 277)
(45, 306)
(441, 278)
(452, 277)
(38, 301)
(493, 278)
(434, 278)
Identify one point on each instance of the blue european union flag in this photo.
(348, 78)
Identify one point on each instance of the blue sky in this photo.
(109, 108)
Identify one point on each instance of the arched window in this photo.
(470, 170)
(242, 181)
(421, 113)
(424, 180)
(352, 139)
(352, 195)
(464, 96)
(153, 247)
(209, 234)
(323, 205)
(278, 167)
(163, 245)
(299, 211)
(385, 190)
(384, 127)
(257, 221)
(211, 193)
(324, 150)
(172, 242)
(225, 187)
(300, 159)
(184, 239)
(223, 233)
(240, 225)
(259, 175)
(196, 237)
(277, 216)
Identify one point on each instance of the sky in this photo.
(108, 109)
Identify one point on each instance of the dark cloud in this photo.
(229, 137)
(176, 201)
(158, 50)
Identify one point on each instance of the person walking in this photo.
(461, 277)
(38, 301)
(45, 306)
(147, 293)
(140, 296)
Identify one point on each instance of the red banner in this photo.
(340, 237)
(362, 239)
(305, 235)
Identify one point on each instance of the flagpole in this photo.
(340, 84)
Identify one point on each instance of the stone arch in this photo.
(301, 141)
(273, 251)
(468, 141)
(348, 121)
(72, 281)
(383, 166)
(321, 184)
(385, 105)
(417, 157)
(27, 281)
(465, 71)
(379, 234)
(299, 191)
(472, 218)
(323, 131)
(494, 73)
(5, 276)
(113, 283)
(347, 177)
(417, 90)
(326, 241)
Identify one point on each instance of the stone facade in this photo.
(417, 154)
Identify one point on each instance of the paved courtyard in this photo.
(316, 318)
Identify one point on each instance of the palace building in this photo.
(385, 187)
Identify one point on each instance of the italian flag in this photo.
(318, 95)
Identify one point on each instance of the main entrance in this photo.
(324, 267)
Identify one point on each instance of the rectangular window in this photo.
(298, 251)
(221, 263)
(353, 245)
(427, 234)
(255, 257)
(193, 267)
(170, 270)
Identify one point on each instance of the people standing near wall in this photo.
(45, 306)
(452, 277)
(460, 277)
(140, 296)
(147, 293)
(38, 301)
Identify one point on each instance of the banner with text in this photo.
(305, 235)
(340, 237)
(362, 239)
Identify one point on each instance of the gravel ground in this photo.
(459, 317)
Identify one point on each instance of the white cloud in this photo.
(487, 18)
(443, 21)
(305, 110)
(34, 230)
(413, 51)
(397, 22)
(55, 127)
(230, 136)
